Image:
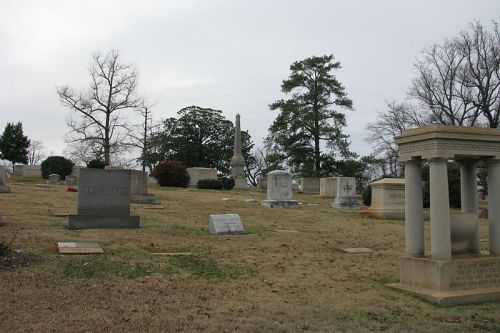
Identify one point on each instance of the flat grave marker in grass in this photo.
(79, 248)
(225, 224)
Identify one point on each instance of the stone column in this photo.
(414, 218)
(237, 161)
(440, 210)
(468, 186)
(494, 206)
(469, 197)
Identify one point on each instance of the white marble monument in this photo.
(455, 271)
(279, 190)
(310, 185)
(328, 187)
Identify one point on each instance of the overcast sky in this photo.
(230, 55)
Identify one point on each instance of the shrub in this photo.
(227, 183)
(96, 164)
(56, 164)
(215, 184)
(171, 173)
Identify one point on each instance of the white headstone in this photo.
(54, 178)
(346, 193)
(225, 224)
(279, 190)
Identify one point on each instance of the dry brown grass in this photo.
(265, 281)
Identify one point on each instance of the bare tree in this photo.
(99, 117)
(440, 88)
(36, 152)
(481, 50)
(391, 123)
(142, 134)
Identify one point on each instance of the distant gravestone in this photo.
(262, 183)
(28, 170)
(139, 188)
(54, 178)
(279, 190)
(328, 187)
(196, 174)
(3, 181)
(310, 185)
(70, 180)
(103, 200)
(346, 194)
(225, 224)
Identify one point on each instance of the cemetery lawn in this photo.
(284, 275)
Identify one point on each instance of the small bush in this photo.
(171, 173)
(214, 184)
(227, 183)
(96, 164)
(56, 164)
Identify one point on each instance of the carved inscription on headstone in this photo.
(476, 274)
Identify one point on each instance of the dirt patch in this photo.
(264, 281)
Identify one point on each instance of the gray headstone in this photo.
(225, 224)
(70, 179)
(103, 200)
(54, 178)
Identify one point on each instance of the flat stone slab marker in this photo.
(79, 248)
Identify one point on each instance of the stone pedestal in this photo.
(388, 199)
(462, 280)
(279, 190)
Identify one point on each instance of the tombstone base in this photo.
(4, 189)
(240, 184)
(143, 199)
(280, 203)
(345, 203)
(463, 280)
(102, 222)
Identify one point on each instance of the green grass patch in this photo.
(207, 268)
(101, 266)
(186, 228)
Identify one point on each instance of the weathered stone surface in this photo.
(225, 224)
(328, 187)
(388, 199)
(346, 194)
(28, 170)
(237, 161)
(279, 190)
(263, 183)
(138, 182)
(310, 185)
(462, 280)
(103, 200)
(196, 174)
(54, 178)
(79, 248)
(3, 181)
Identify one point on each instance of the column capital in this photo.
(493, 162)
(415, 162)
(437, 160)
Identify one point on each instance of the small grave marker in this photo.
(79, 248)
(225, 224)
(356, 250)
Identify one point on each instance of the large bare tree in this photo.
(36, 152)
(481, 75)
(99, 116)
(458, 81)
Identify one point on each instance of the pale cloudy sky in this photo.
(225, 54)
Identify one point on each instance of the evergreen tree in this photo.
(13, 144)
(310, 116)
